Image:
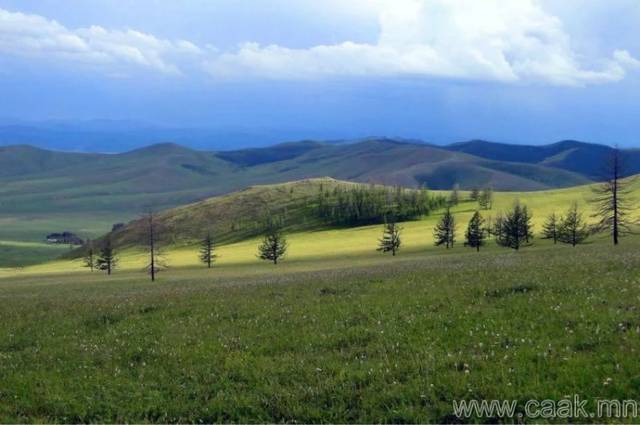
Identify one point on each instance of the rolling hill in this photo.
(166, 175)
(44, 191)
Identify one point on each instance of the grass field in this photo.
(361, 338)
(342, 242)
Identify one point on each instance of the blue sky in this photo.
(521, 71)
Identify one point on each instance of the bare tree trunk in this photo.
(152, 249)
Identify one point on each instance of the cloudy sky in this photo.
(442, 70)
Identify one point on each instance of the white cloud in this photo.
(37, 37)
(489, 40)
(500, 40)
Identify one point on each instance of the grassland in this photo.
(316, 243)
(361, 338)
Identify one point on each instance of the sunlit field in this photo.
(358, 242)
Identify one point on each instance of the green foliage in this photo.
(454, 196)
(485, 198)
(551, 227)
(445, 231)
(207, 250)
(475, 194)
(107, 259)
(475, 234)
(513, 230)
(390, 241)
(273, 246)
(359, 205)
(573, 229)
(89, 259)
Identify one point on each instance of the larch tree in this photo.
(513, 229)
(527, 227)
(89, 259)
(485, 199)
(612, 199)
(152, 231)
(454, 197)
(550, 228)
(445, 231)
(475, 234)
(274, 245)
(107, 259)
(207, 250)
(390, 241)
(573, 229)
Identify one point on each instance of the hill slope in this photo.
(44, 191)
(168, 175)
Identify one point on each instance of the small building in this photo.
(66, 238)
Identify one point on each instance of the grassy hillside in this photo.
(36, 181)
(309, 241)
(358, 339)
(43, 192)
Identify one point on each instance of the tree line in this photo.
(372, 204)
(364, 205)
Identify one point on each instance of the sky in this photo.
(518, 71)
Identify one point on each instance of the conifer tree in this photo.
(612, 199)
(513, 230)
(475, 234)
(475, 193)
(527, 227)
(573, 229)
(107, 259)
(454, 197)
(550, 228)
(390, 241)
(89, 258)
(445, 231)
(274, 245)
(485, 199)
(152, 232)
(207, 248)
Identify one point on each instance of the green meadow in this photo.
(337, 332)
(354, 339)
(319, 243)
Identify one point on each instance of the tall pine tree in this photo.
(445, 231)
(89, 259)
(390, 241)
(513, 230)
(475, 234)
(612, 199)
(107, 259)
(274, 245)
(207, 248)
(573, 229)
(550, 228)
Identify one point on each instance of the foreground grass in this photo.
(368, 339)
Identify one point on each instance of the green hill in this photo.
(44, 191)
(294, 205)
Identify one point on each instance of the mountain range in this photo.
(167, 175)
